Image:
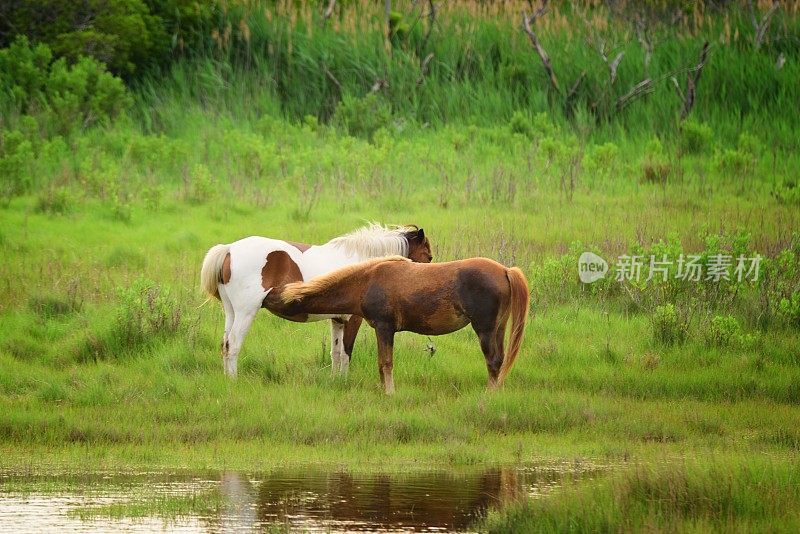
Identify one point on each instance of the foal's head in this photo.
(419, 248)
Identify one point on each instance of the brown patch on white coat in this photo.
(225, 272)
(280, 269)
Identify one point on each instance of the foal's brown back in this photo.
(438, 298)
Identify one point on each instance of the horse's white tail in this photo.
(211, 273)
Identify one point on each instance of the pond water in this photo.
(305, 500)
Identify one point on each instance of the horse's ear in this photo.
(421, 234)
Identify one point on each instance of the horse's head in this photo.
(419, 248)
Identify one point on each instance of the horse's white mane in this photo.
(375, 240)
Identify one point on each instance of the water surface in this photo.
(314, 499)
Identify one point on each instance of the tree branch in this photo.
(691, 82)
(331, 77)
(527, 26)
(328, 10)
(763, 26)
(641, 88)
(423, 69)
(431, 20)
(614, 65)
(574, 89)
(644, 40)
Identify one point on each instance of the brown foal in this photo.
(394, 294)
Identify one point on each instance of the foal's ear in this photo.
(421, 234)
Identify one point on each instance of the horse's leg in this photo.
(385, 363)
(497, 361)
(491, 353)
(350, 333)
(229, 315)
(242, 322)
(337, 351)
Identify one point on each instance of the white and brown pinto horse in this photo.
(393, 295)
(239, 275)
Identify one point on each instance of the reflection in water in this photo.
(329, 501)
(307, 500)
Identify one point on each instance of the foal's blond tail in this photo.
(520, 301)
(211, 273)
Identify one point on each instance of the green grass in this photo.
(717, 495)
(92, 378)
(80, 374)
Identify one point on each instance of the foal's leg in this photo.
(350, 333)
(492, 353)
(338, 362)
(497, 362)
(385, 357)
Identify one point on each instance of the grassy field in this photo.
(95, 377)
(109, 357)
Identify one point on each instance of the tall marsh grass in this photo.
(266, 57)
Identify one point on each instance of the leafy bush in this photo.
(749, 144)
(788, 194)
(602, 159)
(54, 201)
(694, 137)
(61, 96)
(790, 309)
(145, 310)
(121, 208)
(553, 280)
(725, 331)
(656, 168)
(199, 184)
(668, 327)
(362, 117)
(520, 124)
(733, 162)
(123, 34)
(16, 158)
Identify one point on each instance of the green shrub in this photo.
(151, 196)
(695, 137)
(668, 327)
(145, 310)
(54, 201)
(602, 159)
(123, 34)
(121, 208)
(362, 117)
(749, 144)
(63, 96)
(520, 124)
(200, 186)
(553, 280)
(787, 194)
(656, 168)
(725, 331)
(16, 159)
(399, 29)
(790, 309)
(733, 162)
